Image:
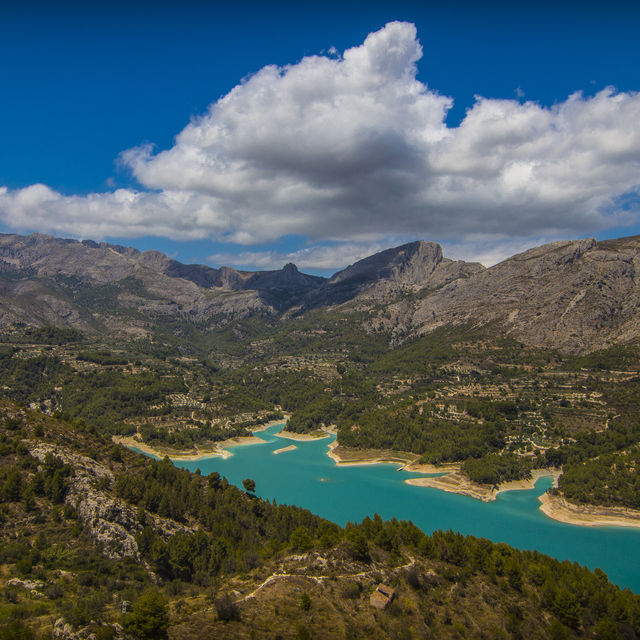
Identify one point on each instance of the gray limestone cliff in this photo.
(575, 295)
(380, 277)
(112, 522)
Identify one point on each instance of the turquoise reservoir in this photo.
(308, 478)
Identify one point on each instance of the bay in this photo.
(307, 477)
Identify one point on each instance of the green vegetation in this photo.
(458, 395)
(446, 584)
(149, 619)
(49, 335)
(611, 479)
(494, 468)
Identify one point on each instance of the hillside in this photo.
(576, 296)
(101, 287)
(86, 526)
(499, 371)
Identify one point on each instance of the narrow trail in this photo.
(317, 579)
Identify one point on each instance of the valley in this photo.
(398, 355)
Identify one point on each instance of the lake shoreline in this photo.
(456, 482)
(450, 480)
(559, 508)
(367, 457)
(302, 437)
(213, 450)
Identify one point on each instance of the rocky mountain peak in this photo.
(380, 277)
(230, 278)
(407, 264)
(285, 280)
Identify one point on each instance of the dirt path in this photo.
(317, 579)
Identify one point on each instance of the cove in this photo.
(307, 477)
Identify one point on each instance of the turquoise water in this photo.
(307, 477)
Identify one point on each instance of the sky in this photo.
(258, 134)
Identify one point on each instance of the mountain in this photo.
(91, 286)
(576, 295)
(97, 286)
(410, 267)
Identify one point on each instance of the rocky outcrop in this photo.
(64, 631)
(409, 264)
(34, 587)
(576, 295)
(111, 521)
(378, 278)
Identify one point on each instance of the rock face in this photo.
(410, 267)
(91, 286)
(577, 296)
(64, 631)
(409, 264)
(110, 521)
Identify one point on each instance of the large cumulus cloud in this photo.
(354, 148)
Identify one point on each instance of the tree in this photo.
(514, 573)
(567, 608)
(16, 630)
(149, 619)
(12, 488)
(358, 546)
(607, 630)
(249, 485)
(226, 608)
(28, 499)
(413, 578)
(557, 631)
(301, 539)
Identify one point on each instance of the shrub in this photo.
(149, 619)
(226, 608)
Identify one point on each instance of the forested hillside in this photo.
(201, 548)
(183, 359)
(488, 403)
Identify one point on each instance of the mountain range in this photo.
(575, 295)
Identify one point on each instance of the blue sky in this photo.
(453, 124)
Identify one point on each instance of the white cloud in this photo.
(491, 249)
(355, 149)
(171, 214)
(314, 258)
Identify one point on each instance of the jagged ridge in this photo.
(575, 295)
